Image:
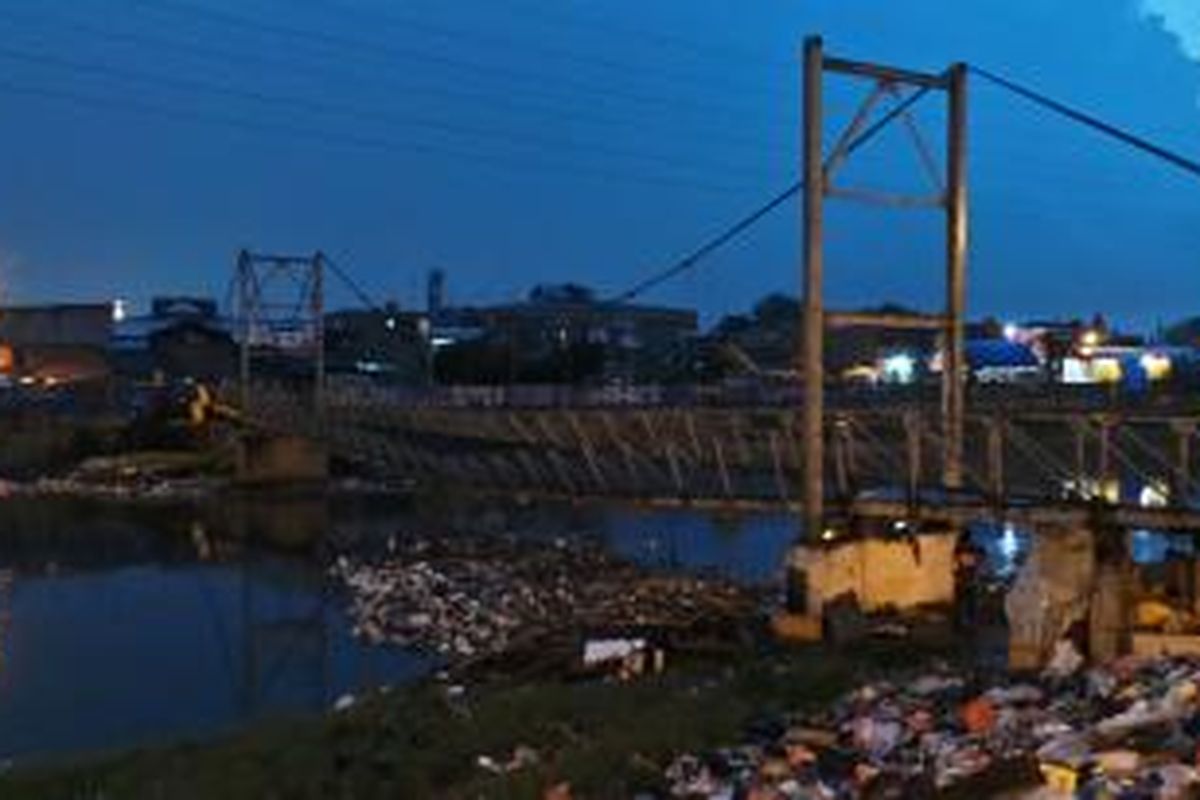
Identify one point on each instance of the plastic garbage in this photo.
(876, 737)
(1066, 659)
(1123, 729)
(978, 715)
(1118, 763)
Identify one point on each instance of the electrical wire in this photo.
(366, 49)
(392, 147)
(412, 23)
(318, 106)
(594, 22)
(511, 100)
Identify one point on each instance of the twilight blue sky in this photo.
(516, 141)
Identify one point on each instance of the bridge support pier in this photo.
(1110, 619)
(877, 572)
(1076, 583)
(1052, 592)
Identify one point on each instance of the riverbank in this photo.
(500, 739)
(183, 594)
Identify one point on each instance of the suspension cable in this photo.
(1145, 145)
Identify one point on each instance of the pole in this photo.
(954, 366)
(244, 325)
(1184, 432)
(813, 267)
(318, 312)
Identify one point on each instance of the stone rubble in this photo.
(1129, 729)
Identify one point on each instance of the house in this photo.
(182, 338)
(62, 343)
(384, 344)
(567, 321)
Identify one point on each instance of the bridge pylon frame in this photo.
(817, 172)
(279, 305)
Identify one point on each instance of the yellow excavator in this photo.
(203, 408)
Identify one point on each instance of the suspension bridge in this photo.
(963, 455)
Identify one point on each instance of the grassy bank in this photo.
(606, 740)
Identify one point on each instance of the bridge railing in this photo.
(1054, 397)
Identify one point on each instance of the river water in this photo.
(133, 625)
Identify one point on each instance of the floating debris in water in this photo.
(471, 598)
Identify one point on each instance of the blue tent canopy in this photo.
(999, 353)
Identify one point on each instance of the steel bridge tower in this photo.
(279, 313)
(950, 197)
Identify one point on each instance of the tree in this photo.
(1185, 333)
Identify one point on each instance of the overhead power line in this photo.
(511, 99)
(410, 22)
(1093, 122)
(389, 146)
(355, 47)
(307, 105)
(592, 21)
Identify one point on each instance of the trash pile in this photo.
(130, 489)
(467, 597)
(1127, 729)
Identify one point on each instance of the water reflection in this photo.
(137, 637)
(748, 547)
(1005, 546)
(1150, 547)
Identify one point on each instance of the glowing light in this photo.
(1106, 370)
(390, 323)
(863, 373)
(1011, 331)
(1091, 338)
(120, 310)
(828, 535)
(1009, 545)
(900, 368)
(1156, 365)
(1154, 495)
